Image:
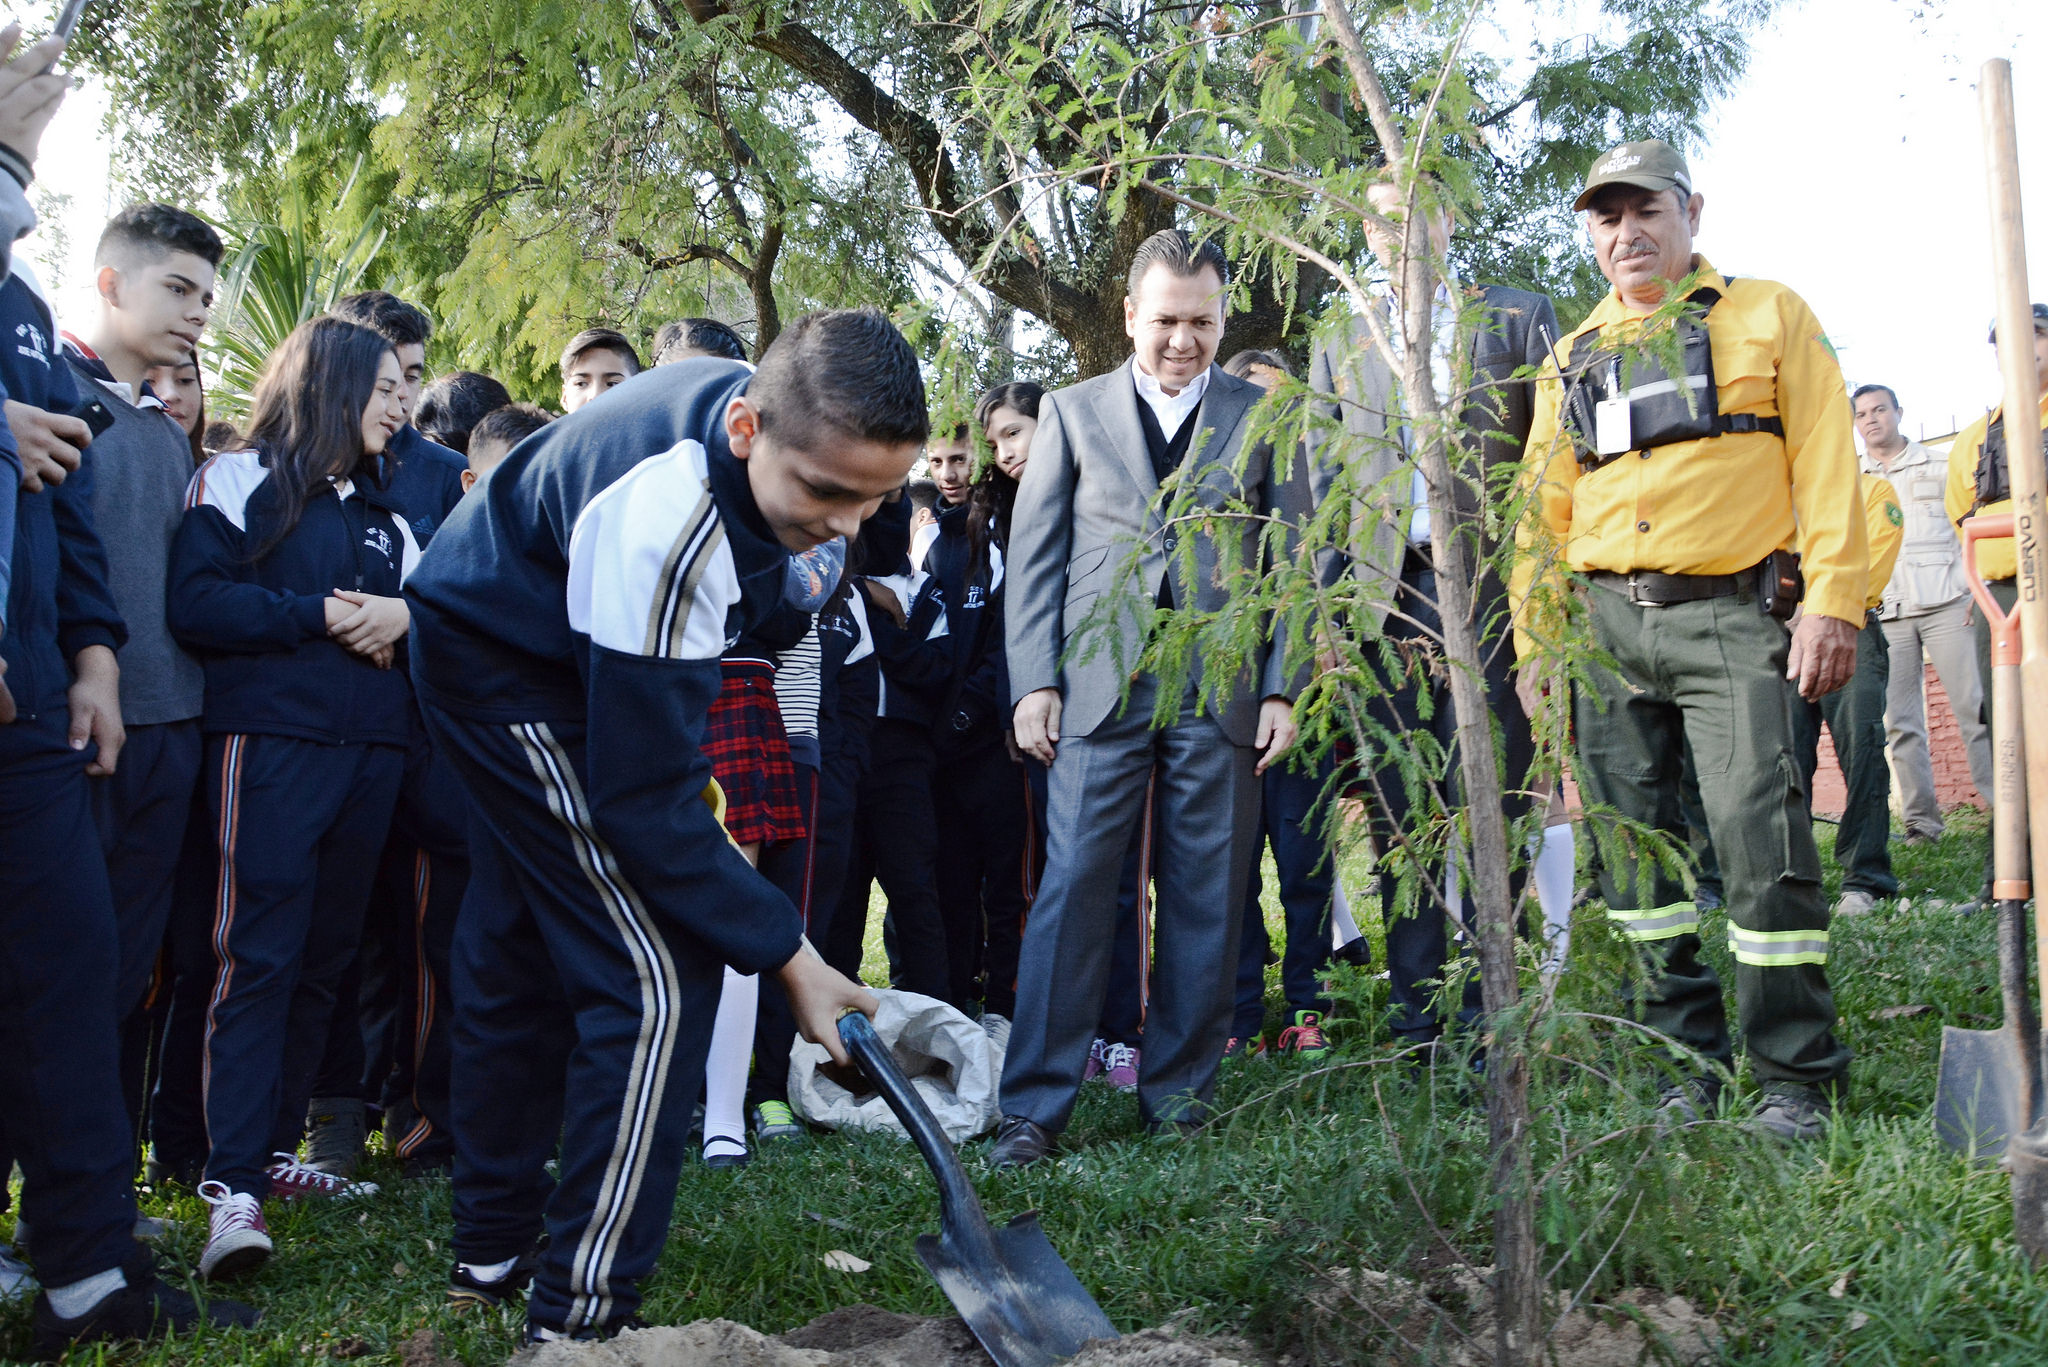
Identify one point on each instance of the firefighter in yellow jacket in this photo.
(1980, 481)
(1675, 477)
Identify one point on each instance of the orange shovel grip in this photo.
(2005, 626)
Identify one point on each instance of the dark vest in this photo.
(1166, 453)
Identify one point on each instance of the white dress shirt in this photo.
(1171, 409)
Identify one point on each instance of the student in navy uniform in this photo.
(978, 784)
(1292, 824)
(896, 838)
(155, 274)
(285, 581)
(60, 1108)
(388, 1047)
(568, 625)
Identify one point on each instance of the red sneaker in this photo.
(1120, 1067)
(1094, 1068)
(291, 1180)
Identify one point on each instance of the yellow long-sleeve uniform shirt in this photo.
(1720, 504)
(1884, 526)
(1995, 559)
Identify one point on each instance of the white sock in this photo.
(1556, 873)
(1343, 930)
(490, 1272)
(69, 1302)
(725, 1069)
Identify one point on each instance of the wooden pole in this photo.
(2023, 447)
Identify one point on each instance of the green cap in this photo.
(1653, 164)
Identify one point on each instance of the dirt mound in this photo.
(858, 1336)
(1447, 1320)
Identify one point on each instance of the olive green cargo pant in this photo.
(1711, 675)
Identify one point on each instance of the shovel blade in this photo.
(1980, 1099)
(1022, 1302)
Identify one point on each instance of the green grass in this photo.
(1874, 1247)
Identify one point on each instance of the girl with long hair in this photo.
(183, 394)
(285, 581)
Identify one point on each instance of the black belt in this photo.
(1648, 588)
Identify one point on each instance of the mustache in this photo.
(1634, 250)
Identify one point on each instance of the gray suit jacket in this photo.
(1086, 504)
(1513, 335)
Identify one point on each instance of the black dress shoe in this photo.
(1020, 1142)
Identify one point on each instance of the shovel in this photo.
(1989, 1082)
(2026, 1152)
(1023, 1303)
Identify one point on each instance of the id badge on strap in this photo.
(1612, 432)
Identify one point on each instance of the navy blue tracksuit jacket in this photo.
(61, 1115)
(568, 623)
(304, 748)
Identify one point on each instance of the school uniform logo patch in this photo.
(379, 540)
(31, 343)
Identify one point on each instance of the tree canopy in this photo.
(539, 167)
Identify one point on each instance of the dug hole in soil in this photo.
(1444, 1320)
(860, 1336)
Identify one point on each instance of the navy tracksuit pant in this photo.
(298, 825)
(981, 876)
(177, 1105)
(388, 1043)
(1301, 858)
(896, 842)
(61, 1115)
(141, 811)
(580, 1014)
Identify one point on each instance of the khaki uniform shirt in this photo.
(1929, 573)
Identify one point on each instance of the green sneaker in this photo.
(775, 1123)
(1304, 1039)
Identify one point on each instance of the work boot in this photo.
(1791, 1112)
(1855, 902)
(336, 1128)
(1688, 1102)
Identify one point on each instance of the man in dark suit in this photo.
(1507, 330)
(1090, 508)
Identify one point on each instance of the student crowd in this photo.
(408, 758)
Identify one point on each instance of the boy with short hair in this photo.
(567, 633)
(452, 406)
(494, 436)
(687, 337)
(154, 272)
(595, 361)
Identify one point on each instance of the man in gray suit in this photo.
(1090, 509)
(1514, 329)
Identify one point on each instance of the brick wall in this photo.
(1945, 750)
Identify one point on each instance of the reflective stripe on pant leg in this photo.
(1777, 948)
(1657, 923)
(653, 1051)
